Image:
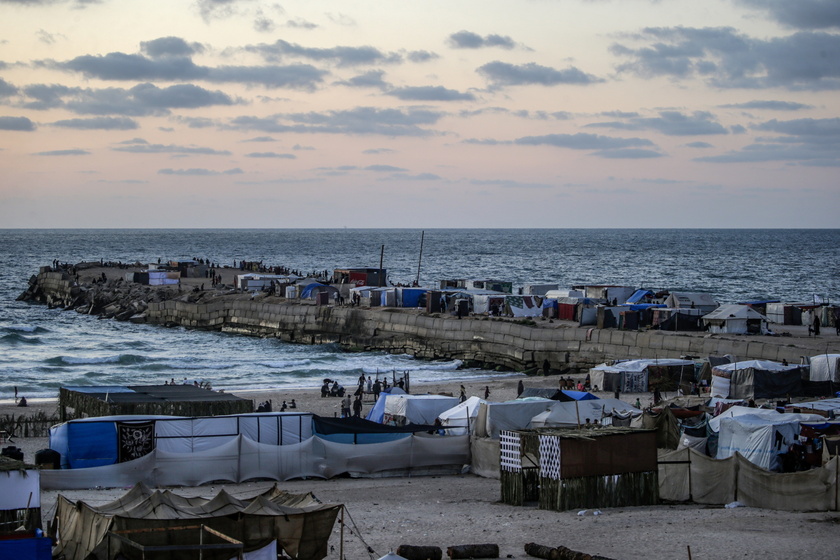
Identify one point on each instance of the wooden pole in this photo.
(420, 259)
(341, 542)
(381, 260)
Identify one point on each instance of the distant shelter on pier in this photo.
(170, 400)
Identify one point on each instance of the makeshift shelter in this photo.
(759, 438)
(93, 442)
(511, 415)
(361, 431)
(174, 400)
(823, 375)
(640, 376)
(299, 524)
(576, 413)
(20, 512)
(735, 319)
(415, 409)
(691, 300)
(460, 419)
(567, 469)
(523, 306)
(311, 291)
(556, 394)
(756, 379)
(411, 297)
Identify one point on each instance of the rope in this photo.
(356, 533)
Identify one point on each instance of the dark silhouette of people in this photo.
(520, 387)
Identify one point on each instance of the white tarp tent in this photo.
(736, 411)
(631, 376)
(576, 413)
(415, 409)
(691, 300)
(735, 319)
(825, 367)
(511, 415)
(755, 379)
(460, 419)
(760, 439)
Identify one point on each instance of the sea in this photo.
(42, 349)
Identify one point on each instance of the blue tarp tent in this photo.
(314, 288)
(377, 411)
(411, 296)
(577, 395)
(640, 295)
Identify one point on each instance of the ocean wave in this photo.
(17, 338)
(123, 359)
(24, 328)
(285, 364)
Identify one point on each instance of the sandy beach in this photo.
(444, 511)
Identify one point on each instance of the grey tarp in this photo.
(300, 523)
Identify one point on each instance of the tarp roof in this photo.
(764, 365)
(153, 393)
(556, 394)
(734, 311)
(642, 364)
(351, 425)
(299, 522)
(639, 295)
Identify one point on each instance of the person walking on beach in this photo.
(357, 407)
(345, 406)
(519, 388)
(463, 396)
(377, 388)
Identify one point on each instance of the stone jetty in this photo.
(531, 346)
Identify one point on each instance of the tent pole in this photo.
(341, 543)
(420, 258)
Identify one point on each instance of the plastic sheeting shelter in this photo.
(756, 379)
(493, 418)
(411, 297)
(688, 476)
(758, 438)
(637, 376)
(825, 368)
(299, 523)
(415, 409)
(691, 300)
(735, 319)
(93, 442)
(460, 419)
(311, 291)
(573, 414)
(243, 459)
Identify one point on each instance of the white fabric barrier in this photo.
(243, 459)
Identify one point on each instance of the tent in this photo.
(823, 375)
(573, 414)
(107, 440)
(315, 288)
(760, 439)
(377, 411)
(460, 419)
(415, 409)
(299, 524)
(691, 300)
(735, 319)
(756, 379)
(639, 376)
(511, 415)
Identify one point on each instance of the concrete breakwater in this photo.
(534, 347)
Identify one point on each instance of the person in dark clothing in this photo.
(377, 388)
(357, 407)
(519, 388)
(463, 396)
(817, 325)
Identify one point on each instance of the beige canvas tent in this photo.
(299, 524)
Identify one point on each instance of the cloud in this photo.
(341, 56)
(99, 123)
(121, 66)
(142, 99)
(814, 142)
(21, 124)
(263, 23)
(504, 74)
(510, 184)
(7, 89)
(48, 38)
(802, 14)
(379, 151)
(582, 141)
(170, 46)
(470, 40)
(361, 120)
(299, 23)
(371, 79)
(769, 105)
(199, 172)
(261, 139)
(384, 168)
(421, 56)
(217, 9)
(75, 152)
(418, 177)
(270, 155)
(725, 58)
(627, 153)
(140, 146)
(671, 123)
(699, 145)
(430, 93)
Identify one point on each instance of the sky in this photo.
(419, 114)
